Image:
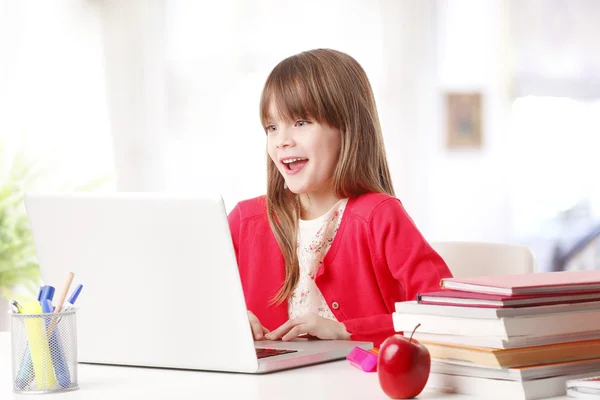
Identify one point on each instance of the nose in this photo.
(284, 138)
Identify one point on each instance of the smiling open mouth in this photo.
(294, 164)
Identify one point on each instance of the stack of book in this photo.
(511, 336)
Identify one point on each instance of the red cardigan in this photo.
(378, 257)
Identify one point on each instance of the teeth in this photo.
(291, 160)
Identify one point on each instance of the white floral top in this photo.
(314, 239)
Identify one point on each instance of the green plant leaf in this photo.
(18, 260)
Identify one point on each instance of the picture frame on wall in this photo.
(464, 120)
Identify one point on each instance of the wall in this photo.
(467, 193)
(431, 48)
(413, 51)
(407, 100)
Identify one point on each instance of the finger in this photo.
(282, 330)
(295, 332)
(257, 330)
(265, 330)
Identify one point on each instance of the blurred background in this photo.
(490, 108)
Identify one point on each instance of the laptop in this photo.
(161, 286)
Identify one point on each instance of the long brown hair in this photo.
(332, 88)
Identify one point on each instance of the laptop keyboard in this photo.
(262, 352)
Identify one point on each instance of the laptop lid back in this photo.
(161, 283)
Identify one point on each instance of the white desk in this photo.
(334, 380)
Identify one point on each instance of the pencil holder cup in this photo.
(44, 352)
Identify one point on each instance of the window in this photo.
(555, 144)
(554, 172)
(52, 94)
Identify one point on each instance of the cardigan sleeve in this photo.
(399, 247)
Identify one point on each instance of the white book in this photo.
(516, 374)
(503, 389)
(414, 307)
(587, 388)
(504, 328)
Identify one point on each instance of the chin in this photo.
(297, 188)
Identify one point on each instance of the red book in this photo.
(528, 284)
(485, 300)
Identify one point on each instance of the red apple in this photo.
(403, 366)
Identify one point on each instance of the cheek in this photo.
(332, 150)
(271, 151)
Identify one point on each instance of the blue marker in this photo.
(61, 371)
(47, 293)
(73, 298)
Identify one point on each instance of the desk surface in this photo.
(333, 380)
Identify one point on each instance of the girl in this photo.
(329, 250)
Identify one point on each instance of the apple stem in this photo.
(413, 332)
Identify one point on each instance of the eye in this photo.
(270, 128)
(302, 123)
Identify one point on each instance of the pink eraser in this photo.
(362, 359)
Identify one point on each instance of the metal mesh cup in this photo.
(44, 352)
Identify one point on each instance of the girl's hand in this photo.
(258, 331)
(312, 325)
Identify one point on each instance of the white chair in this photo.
(467, 259)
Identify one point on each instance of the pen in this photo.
(73, 297)
(72, 300)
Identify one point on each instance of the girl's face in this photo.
(304, 151)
